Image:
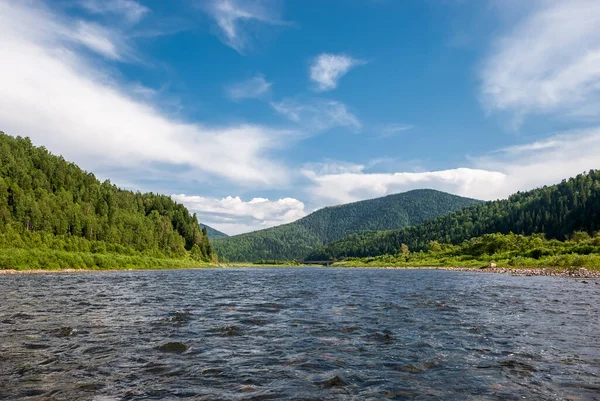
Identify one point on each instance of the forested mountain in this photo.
(212, 233)
(48, 202)
(296, 240)
(556, 211)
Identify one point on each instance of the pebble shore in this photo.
(535, 271)
(551, 272)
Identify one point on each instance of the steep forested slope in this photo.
(212, 233)
(47, 202)
(556, 211)
(297, 239)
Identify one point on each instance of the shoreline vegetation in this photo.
(577, 273)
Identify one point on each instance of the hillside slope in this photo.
(296, 240)
(557, 211)
(212, 233)
(47, 202)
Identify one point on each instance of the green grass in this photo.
(49, 259)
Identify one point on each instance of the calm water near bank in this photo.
(301, 334)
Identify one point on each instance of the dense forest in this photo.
(298, 239)
(212, 233)
(49, 203)
(556, 211)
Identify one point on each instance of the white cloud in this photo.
(35, 24)
(327, 69)
(549, 63)
(493, 176)
(52, 93)
(317, 115)
(234, 216)
(333, 167)
(353, 186)
(235, 17)
(129, 9)
(252, 88)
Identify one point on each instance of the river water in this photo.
(298, 334)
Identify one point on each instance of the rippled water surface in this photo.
(301, 334)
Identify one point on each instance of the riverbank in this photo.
(46, 260)
(551, 272)
(581, 273)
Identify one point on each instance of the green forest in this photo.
(510, 250)
(55, 215)
(296, 240)
(556, 211)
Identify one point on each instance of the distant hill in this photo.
(212, 233)
(298, 239)
(556, 211)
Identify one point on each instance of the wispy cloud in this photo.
(235, 18)
(489, 176)
(252, 88)
(234, 216)
(389, 130)
(52, 92)
(317, 114)
(130, 10)
(548, 63)
(327, 69)
(36, 24)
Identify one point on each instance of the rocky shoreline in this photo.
(534, 271)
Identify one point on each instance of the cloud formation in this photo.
(492, 176)
(389, 130)
(252, 88)
(327, 69)
(51, 92)
(548, 63)
(317, 115)
(128, 9)
(235, 18)
(234, 216)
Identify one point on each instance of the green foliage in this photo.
(510, 250)
(212, 233)
(48, 203)
(50, 259)
(298, 239)
(557, 211)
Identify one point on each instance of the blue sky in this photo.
(254, 113)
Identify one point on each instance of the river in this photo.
(298, 334)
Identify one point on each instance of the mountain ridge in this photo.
(556, 211)
(297, 239)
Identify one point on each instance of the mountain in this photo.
(556, 211)
(49, 203)
(298, 239)
(212, 233)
